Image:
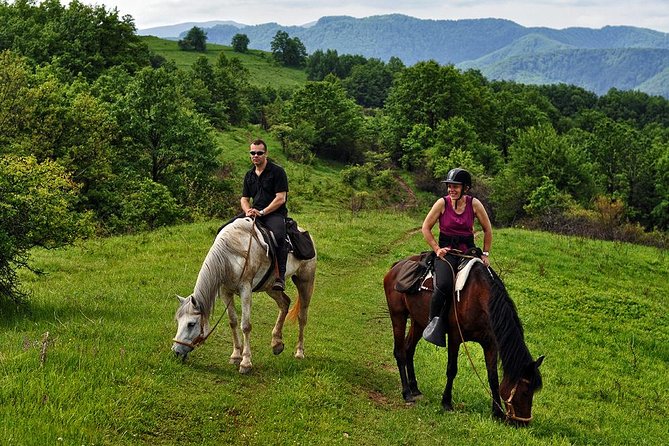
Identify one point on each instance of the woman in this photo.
(455, 213)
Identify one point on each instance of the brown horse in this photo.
(484, 314)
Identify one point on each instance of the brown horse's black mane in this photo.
(508, 330)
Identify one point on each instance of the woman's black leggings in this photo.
(444, 271)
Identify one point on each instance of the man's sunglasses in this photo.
(256, 153)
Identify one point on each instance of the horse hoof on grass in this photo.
(278, 348)
(245, 370)
(235, 361)
(299, 354)
(447, 407)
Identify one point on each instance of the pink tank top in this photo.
(454, 224)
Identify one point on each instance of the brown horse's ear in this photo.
(538, 362)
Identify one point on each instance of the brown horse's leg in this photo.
(491, 354)
(451, 371)
(411, 341)
(399, 321)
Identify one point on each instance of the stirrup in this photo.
(279, 285)
(434, 333)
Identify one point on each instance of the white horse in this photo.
(236, 263)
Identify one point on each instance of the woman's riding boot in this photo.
(435, 332)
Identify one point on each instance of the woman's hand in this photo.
(441, 252)
(486, 260)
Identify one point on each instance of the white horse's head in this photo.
(192, 325)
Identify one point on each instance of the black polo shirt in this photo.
(263, 189)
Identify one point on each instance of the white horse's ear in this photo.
(181, 299)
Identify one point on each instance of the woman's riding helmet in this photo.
(459, 176)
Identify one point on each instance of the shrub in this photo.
(36, 210)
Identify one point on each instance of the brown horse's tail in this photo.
(295, 311)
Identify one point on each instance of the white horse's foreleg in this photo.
(236, 356)
(245, 366)
(283, 301)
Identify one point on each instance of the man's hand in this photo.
(253, 212)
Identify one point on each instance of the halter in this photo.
(200, 338)
(510, 411)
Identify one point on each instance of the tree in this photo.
(427, 93)
(36, 210)
(166, 142)
(195, 40)
(240, 43)
(320, 64)
(335, 118)
(80, 39)
(369, 83)
(288, 51)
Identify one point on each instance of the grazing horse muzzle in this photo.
(183, 348)
(511, 416)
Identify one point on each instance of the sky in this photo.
(653, 14)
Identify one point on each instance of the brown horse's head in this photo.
(518, 393)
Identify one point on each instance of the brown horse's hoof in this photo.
(278, 348)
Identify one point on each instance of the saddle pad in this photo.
(461, 278)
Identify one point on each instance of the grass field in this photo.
(105, 373)
(263, 70)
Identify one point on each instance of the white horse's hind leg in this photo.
(283, 301)
(305, 287)
(236, 356)
(246, 366)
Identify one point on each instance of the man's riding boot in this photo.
(281, 259)
(435, 332)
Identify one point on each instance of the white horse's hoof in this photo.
(235, 361)
(245, 370)
(299, 354)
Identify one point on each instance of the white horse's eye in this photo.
(191, 324)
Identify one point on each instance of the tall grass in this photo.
(597, 310)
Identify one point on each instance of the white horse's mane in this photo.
(223, 264)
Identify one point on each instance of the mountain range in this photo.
(622, 57)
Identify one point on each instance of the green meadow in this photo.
(88, 362)
(259, 63)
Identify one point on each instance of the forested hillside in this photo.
(490, 45)
(104, 136)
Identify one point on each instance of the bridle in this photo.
(510, 411)
(200, 338)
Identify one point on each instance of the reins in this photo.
(510, 411)
(201, 338)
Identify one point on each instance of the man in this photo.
(264, 197)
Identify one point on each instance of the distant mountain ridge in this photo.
(173, 31)
(624, 57)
